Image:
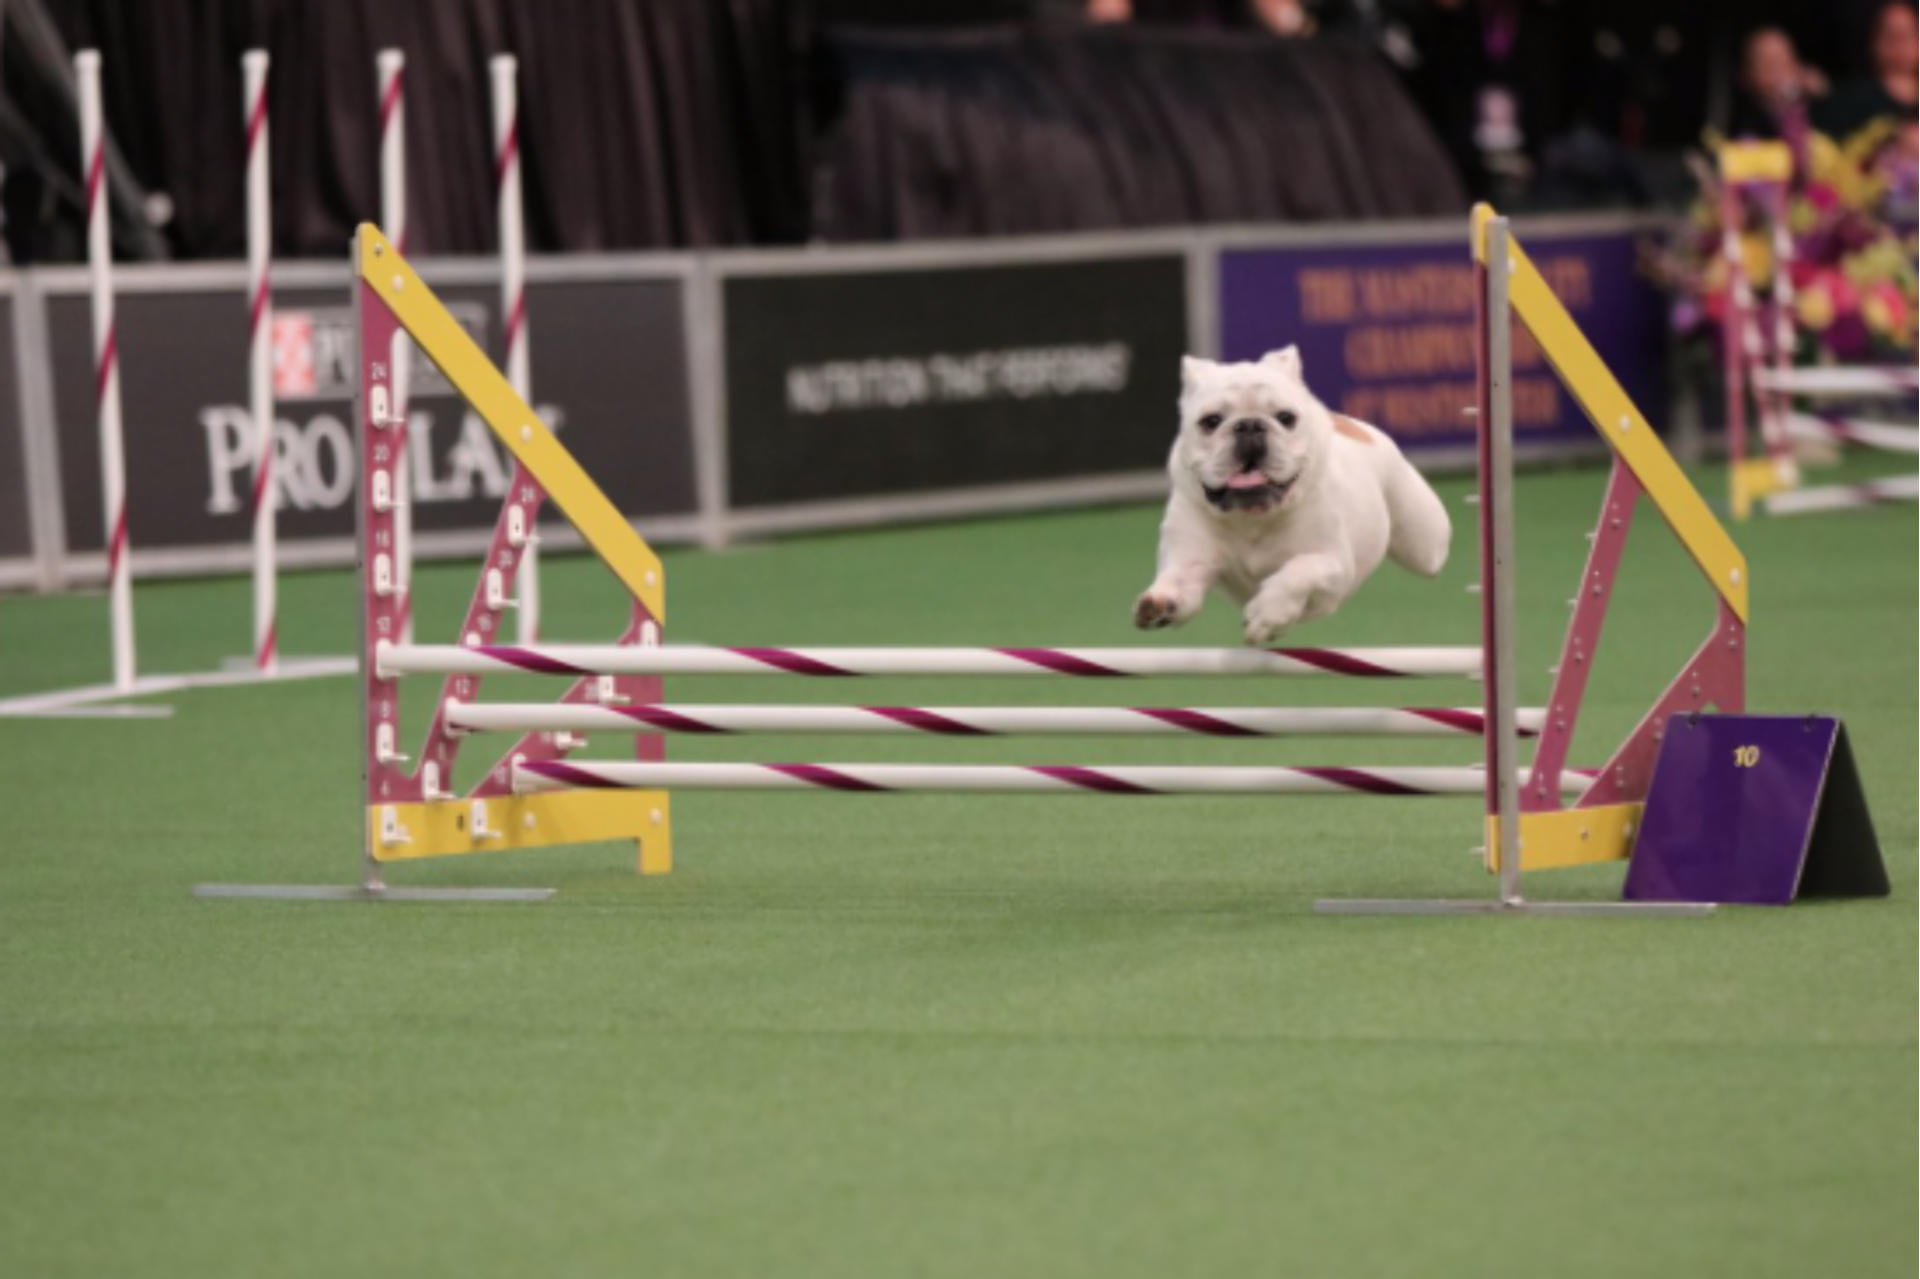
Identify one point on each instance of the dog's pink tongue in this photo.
(1248, 480)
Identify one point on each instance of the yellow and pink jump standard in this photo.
(541, 792)
(1757, 341)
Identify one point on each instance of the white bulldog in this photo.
(1281, 504)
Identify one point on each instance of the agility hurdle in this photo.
(541, 791)
(1757, 342)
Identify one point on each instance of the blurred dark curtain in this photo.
(664, 123)
(697, 123)
(1040, 129)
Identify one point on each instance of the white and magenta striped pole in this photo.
(1780, 338)
(505, 69)
(391, 76)
(113, 463)
(1735, 332)
(1040, 779)
(576, 660)
(984, 721)
(260, 355)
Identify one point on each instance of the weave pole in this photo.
(254, 70)
(390, 68)
(106, 361)
(505, 70)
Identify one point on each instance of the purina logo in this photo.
(454, 457)
(313, 353)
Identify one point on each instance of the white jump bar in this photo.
(1888, 437)
(1862, 380)
(575, 660)
(1055, 779)
(983, 721)
(1844, 497)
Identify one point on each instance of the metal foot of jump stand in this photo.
(1602, 910)
(362, 893)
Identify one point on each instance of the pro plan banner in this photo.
(883, 383)
(1387, 333)
(609, 374)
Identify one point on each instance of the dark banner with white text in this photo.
(878, 384)
(609, 374)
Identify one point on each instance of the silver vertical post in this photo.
(1498, 487)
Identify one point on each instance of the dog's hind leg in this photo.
(1420, 531)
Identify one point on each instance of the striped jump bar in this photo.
(1889, 437)
(986, 721)
(1844, 497)
(1058, 779)
(1840, 380)
(1088, 663)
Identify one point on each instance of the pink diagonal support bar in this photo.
(1542, 791)
(1714, 677)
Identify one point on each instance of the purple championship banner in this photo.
(1387, 331)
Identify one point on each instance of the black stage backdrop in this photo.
(1045, 129)
(664, 123)
(696, 123)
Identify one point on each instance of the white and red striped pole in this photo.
(253, 66)
(1035, 779)
(391, 74)
(1780, 343)
(113, 463)
(1734, 332)
(984, 721)
(575, 660)
(505, 69)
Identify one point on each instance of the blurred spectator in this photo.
(1109, 10)
(1775, 87)
(1891, 90)
(1496, 78)
(1284, 17)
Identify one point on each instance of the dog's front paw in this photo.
(1268, 620)
(1154, 611)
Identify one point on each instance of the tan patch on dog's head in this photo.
(1352, 429)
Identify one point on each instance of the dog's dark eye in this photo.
(1211, 423)
(1288, 420)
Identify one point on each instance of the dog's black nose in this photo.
(1249, 426)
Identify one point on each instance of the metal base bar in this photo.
(1495, 906)
(358, 893)
(295, 667)
(97, 699)
(130, 710)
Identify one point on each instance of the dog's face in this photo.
(1250, 434)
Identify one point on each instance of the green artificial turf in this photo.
(945, 1035)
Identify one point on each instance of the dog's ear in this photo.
(1286, 359)
(1192, 369)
